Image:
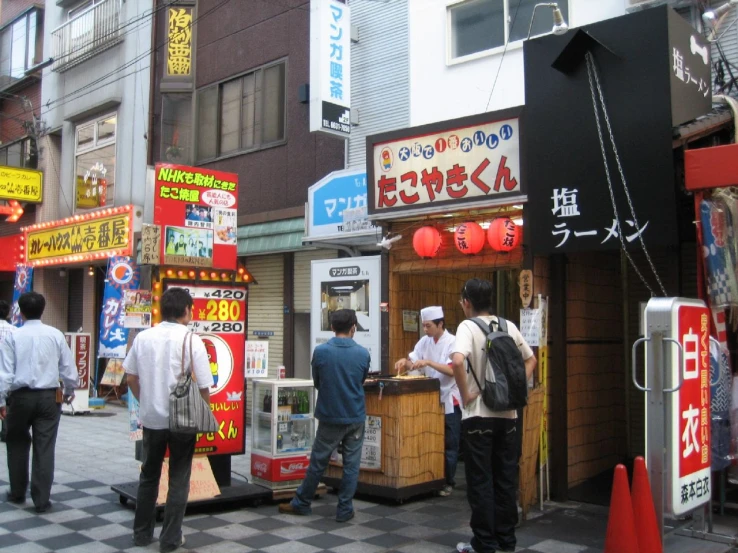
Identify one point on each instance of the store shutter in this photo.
(75, 310)
(266, 308)
(303, 261)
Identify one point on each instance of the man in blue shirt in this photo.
(32, 361)
(340, 367)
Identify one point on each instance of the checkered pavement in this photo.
(87, 516)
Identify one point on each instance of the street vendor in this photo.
(431, 356)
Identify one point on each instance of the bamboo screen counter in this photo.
(403, 444)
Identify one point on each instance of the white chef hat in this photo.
(431, 313)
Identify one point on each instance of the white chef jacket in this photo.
(439, 352)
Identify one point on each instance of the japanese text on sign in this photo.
(179, 50)
(100, 235)
(371, 451)
(182, 176)
(565, 207)
(344, 271)
(23, 185)
(461, 164)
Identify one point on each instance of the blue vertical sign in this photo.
(22, 284)
(123, 274)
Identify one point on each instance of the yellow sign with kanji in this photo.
(81, 240)
(23, 185)
(179, 50)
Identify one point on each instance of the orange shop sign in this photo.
(88, 237)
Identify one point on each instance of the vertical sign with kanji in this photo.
(122, 275)
(179, 46)
(688, 420)
(330, 67)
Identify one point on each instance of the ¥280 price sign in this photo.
(219, 310)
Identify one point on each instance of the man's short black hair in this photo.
(32, 305)
(342, 320)
(439, 321)
(4, 310)
(479, 293)
(174, 303)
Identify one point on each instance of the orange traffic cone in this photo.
(647, 531)
(621, 532)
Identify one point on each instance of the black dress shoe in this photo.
(43, 508)
(15, 499)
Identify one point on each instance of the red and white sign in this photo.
(469, 160)
(81, 345)
(281, 469)
(219, 318)
(196, 208)
(688, 457)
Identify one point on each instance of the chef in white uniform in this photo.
(431, 356)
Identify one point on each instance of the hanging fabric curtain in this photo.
(717, 234)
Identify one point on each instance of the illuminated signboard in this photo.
(179, 49)
(24, 185)
(87, 237)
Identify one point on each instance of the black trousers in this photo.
(181, 450)
(491, 465)
(32, 420)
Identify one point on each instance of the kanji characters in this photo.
(678, 64)
(565, 202)
(689, 436)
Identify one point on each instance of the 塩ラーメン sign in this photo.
(470, 160)
(330, 67)
(23, 185)
(81, 238)
(197, 209)
(219, 318)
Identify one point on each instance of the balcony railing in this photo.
(94, 30)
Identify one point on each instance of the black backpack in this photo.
(505, 384)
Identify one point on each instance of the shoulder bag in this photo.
(189, 413)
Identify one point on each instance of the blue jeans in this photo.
(452, 436)
(327, 439)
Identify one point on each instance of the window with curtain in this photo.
(242, 114)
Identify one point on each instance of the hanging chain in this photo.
(592, 72)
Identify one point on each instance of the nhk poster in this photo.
(196, 208)
(219, 317)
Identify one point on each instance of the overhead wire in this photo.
(76, 94)
(502, 58)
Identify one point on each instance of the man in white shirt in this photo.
(490, 437)
(5, 329)
(157, 358)
(32, 361)
(432, 355)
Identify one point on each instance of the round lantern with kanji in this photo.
(427, 242)
(469, 238)
(503, 234)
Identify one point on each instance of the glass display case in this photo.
(283, 429)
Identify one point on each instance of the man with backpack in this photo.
(492, 363)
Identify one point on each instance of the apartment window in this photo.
(21, 153)
(94, 162)
(20, 46)
(79, 8)
(176, 128)
(243, 114)
(480, 25)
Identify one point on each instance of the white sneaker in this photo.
(446, 491)
(462, 547)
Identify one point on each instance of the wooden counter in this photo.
(410, 460)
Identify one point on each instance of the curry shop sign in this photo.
(80, 238)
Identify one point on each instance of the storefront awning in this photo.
(271, 237)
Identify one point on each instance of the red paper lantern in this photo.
(503, 235)
(427, 242)
(469, 238)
